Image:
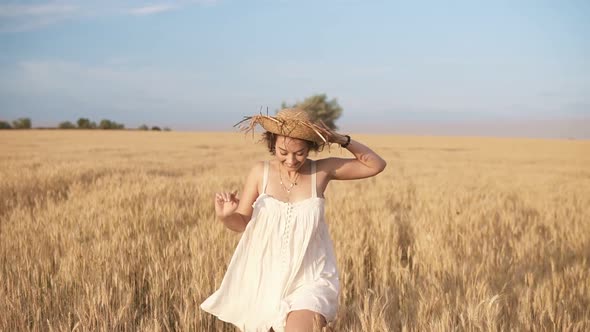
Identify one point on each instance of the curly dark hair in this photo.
(271, 140)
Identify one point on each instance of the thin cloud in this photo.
(107, 86)
(17, 18)
(153, 9)
(25, 17)
(17, 11)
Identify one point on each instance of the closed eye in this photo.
(299, 153)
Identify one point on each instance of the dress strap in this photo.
(265, 178)
(314, 192)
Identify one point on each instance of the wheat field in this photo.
(115, 231)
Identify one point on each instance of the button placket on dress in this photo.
(286, 231)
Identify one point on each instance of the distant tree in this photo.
(5, 125)
(156, 128)
(319, 108)
(22, 123)
(66, 125)
(143, 127)
(105, 124)
(108, 124)
(167, 129)
(84, 123)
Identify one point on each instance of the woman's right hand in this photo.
(225, 204)
(330, 135)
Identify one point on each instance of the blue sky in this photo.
(504, 68)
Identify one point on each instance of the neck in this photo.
(293, 174)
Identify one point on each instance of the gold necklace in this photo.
(293, 183)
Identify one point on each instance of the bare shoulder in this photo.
(258, 166)
(257, 173)
(251, 188)
(257, 170)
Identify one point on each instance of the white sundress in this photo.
(283, 262)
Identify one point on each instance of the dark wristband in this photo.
(347, 141)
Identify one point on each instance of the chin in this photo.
(293, 167)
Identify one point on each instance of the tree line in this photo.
(82, 123)
(318, 106)
(21, 123)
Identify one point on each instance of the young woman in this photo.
(283, 275)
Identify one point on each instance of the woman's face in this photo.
(291, 152)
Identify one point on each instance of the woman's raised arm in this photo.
(366, 162)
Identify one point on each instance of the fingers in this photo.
(326, 128)
(219, 197)
(226, 197)
(329, 134)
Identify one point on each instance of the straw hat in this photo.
(291, 122)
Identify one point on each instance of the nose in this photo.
(291, 160)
